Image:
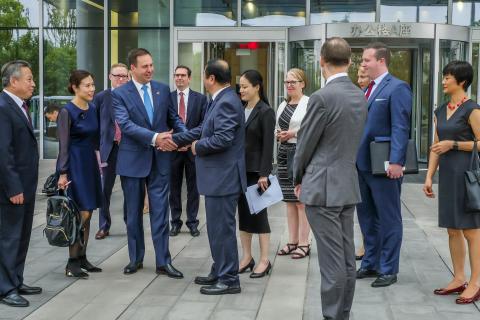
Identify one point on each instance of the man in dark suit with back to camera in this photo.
(379, 214)
(191, 109)
(325, 175)
(145, 114)
(18, 182)
(219, 145)
(110, 136)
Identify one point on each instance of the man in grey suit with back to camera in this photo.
(325, 175)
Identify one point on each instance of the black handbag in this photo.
(380, 153)
(64, 224)
(472, 182)
(50, 185)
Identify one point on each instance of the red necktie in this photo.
(181, 108)
(118, 133)
(25, 107)
(369, 90)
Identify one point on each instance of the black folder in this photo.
(380, 153)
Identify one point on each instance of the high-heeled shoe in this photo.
(445, 292)
(86, 265)
(256, 275)
(473, 299)
(74, 270)
(250, 266)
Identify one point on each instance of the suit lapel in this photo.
(16, 109)
(254, 113)
(156, 99)
(380, 87)
(108, 102)
(138, 100)
(191, 102)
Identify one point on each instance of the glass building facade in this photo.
(57, 36)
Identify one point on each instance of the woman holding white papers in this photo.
(259, 139)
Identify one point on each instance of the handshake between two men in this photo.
(164, 142)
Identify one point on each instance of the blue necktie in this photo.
(148, 103)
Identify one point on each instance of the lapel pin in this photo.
(158, 92)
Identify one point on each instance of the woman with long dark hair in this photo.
(259, 139)
(77, 164)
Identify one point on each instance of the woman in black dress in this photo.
(457, 125)
(259, 139)
(77, 165)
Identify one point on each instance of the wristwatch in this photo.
(455, 145)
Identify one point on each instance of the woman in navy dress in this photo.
(77, 165)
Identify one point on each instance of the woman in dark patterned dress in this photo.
(457, 125)
(289, 117)
(78, 135)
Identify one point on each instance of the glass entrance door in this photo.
(242, 56)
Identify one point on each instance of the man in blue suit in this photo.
(191, 109)
(145, 114)
(379, 214)
(221, 176)
(110, 136)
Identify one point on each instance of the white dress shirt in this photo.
(335, 76)
(19, 102)
(377, 82)
(218, 91)
(185, 98)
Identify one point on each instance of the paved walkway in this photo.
(291, 292)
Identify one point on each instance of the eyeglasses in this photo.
(120, 76)
(291, 83)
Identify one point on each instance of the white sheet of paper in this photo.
(272, 195)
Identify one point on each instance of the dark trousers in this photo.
(108, 181)
(221, 225)
(15, 230)
(333, 231)
(134, 195)
(380, 220)
(182, 161)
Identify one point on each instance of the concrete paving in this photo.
(292, 291)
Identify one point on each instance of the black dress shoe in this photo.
(250, 266)
(205, 281)
(384, 280)
(27, 290)
(175, 230)
(86, 265)
(256, 275)
(194, 232)
(366, 273)
(170, 271)
(220, 288)
(13, 299)
(131, 268)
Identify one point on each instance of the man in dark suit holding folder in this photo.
(389, 109)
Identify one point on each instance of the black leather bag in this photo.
(380, 153)
(472, 183)
(50, 185)
(64, 227)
